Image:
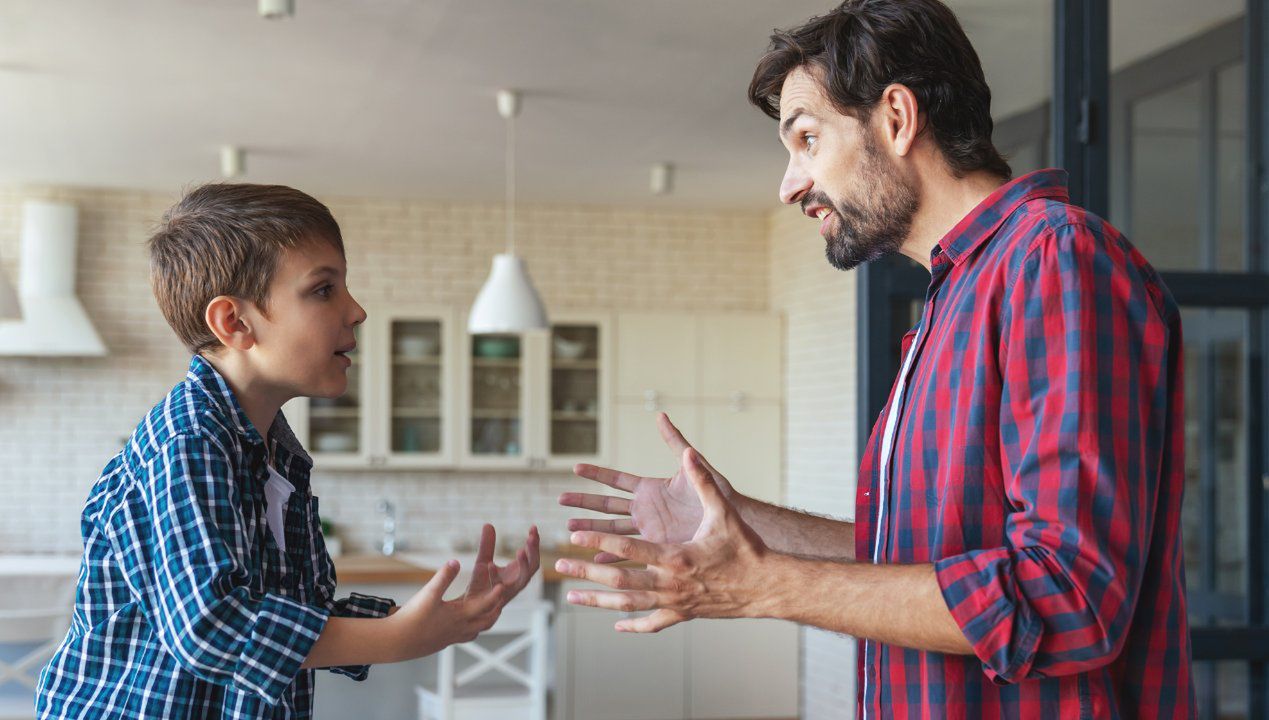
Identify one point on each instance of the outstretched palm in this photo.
(661, 509)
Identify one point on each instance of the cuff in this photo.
(281, 639)
(358, 605)
(980, 593)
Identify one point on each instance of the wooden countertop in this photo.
(387, 569)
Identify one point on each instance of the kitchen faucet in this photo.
(389, 527)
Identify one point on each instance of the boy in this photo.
(206, 589)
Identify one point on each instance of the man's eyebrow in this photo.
(792, 118)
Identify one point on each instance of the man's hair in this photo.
(225, 239)
(862, 46)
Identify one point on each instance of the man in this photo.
(1016, 549)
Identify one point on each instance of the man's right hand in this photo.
(661, 510)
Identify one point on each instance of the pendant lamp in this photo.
(508, 302)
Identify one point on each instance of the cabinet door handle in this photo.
(651, 400)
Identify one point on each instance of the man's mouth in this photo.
(824, 215)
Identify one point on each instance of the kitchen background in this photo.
(385, 111)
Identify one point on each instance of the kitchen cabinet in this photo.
(619, 676)
(398, 411)
(538, 401)
(422, 393)
(744, 668)
(718, 376)
(699, 670)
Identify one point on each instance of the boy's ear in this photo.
(225, 316)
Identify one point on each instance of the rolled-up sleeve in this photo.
(1083, 421)
(186, 561)
(355, 605)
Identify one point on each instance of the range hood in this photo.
(53, 321)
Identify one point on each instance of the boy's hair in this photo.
(862, 46)
(225, 239)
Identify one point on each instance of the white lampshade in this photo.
(508, 303)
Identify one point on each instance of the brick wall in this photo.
(818, 302)
(62, 419)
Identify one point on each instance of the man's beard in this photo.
(876, 226)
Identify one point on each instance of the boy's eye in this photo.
(325, 290)
(808, 140)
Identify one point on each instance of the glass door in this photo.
(496, 400)
(418, 381)
(576, 397)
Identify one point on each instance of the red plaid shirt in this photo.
(1037, 460)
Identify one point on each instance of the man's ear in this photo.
(900, 117)
(225, 317)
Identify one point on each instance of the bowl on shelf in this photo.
(568, 349)
(417, 346)
(496, 347)
(334, 442)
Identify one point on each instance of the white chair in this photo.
(490, 684)
(33, 622)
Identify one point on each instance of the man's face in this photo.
(303, 342)
(839, 173)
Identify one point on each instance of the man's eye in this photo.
(808, 140)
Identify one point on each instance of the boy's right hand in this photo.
(427, 623)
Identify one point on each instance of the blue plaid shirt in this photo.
(185, 605)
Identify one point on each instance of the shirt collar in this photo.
(983, 221)
(204, 377)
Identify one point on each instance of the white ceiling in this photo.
(395, 97)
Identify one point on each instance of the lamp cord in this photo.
(511, 186)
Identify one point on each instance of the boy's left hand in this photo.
(513, 576)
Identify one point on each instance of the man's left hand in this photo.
(719, 573)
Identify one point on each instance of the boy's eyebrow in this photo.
(323, 270)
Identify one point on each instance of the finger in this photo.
(622, 546)
(657, 621)
(623, 601)
(671, 435)
(711, 497)
(599, 503)
(607, 476)
(488, 540)
(533, 556)
(616, 527)
(487, 601)
(440, 582)
(614, 577)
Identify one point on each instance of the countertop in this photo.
(372, 569)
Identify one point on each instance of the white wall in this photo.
(818, 302)
(61, 420)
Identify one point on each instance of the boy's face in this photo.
(302, 345)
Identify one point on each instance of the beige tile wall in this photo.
(62, 419)
(818, 302)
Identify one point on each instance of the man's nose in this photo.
(795, 184)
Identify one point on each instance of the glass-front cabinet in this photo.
(577, 390)
(536, 401)
(398, 409)
(336, 429)
(416, 377)
(422, 393)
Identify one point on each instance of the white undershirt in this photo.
(276, 492)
